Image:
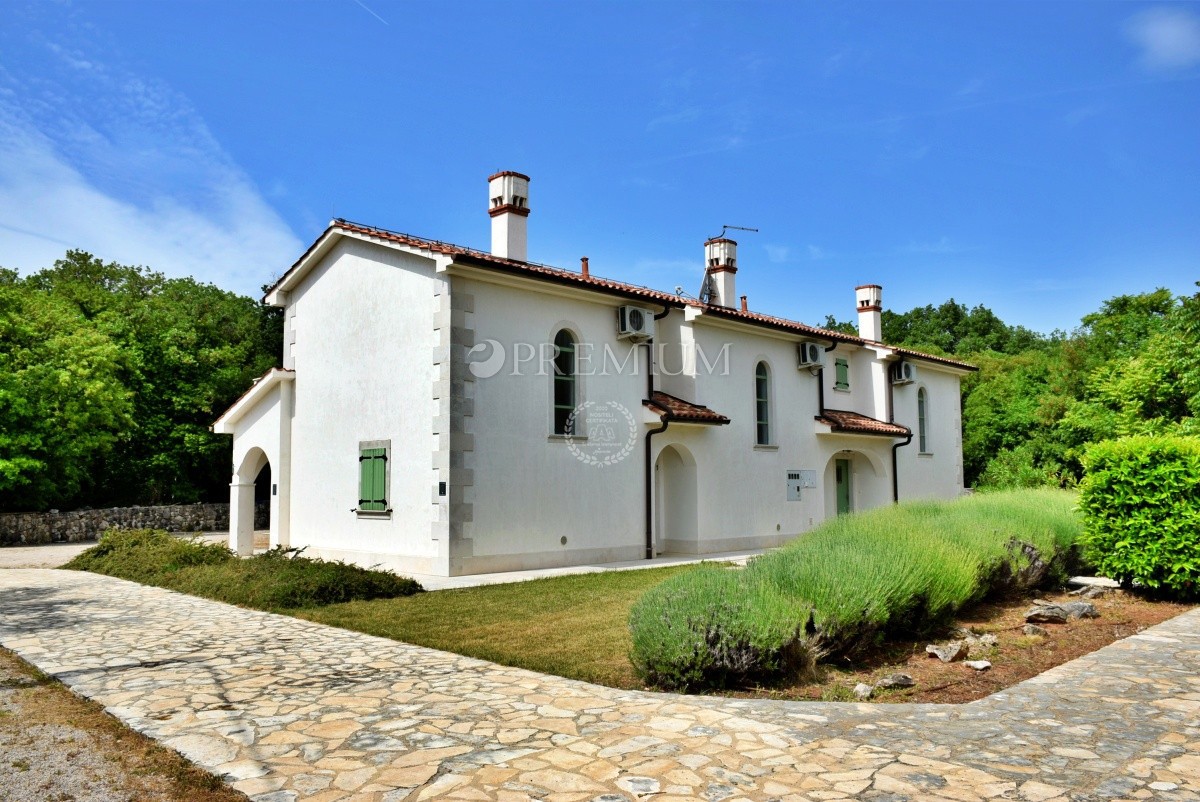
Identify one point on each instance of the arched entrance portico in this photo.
(854, 481)
(252, 479)
(675, 502)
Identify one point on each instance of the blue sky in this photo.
(1036, 158)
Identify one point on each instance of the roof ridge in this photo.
(602, 283)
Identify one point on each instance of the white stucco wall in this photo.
(374, 337)
(937, 473)
(530, 491)
(363, 323)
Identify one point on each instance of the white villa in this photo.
(446, 411)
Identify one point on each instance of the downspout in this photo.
(891, 410)
(821, 382)
(895, 475)
(650, 490)
(648, 463)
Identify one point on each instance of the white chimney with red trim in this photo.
(869, 300)
(508, 206)
(720, 265)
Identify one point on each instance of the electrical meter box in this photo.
(798, 480)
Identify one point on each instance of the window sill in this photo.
(841, 389)
(373, 513)
(765, 447)
(924, 453)
(563, 438)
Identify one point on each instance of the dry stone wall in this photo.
(76, 525)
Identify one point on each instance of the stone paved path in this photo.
(289, 710)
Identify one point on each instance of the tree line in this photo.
(110, 376)
(1038, 401)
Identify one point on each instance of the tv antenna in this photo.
(734, 228)
(708, 288)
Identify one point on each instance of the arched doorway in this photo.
(251, 481)
(675, 502)
(855, 480)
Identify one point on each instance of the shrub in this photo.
(1140, 499)
(1014, 468)
(283, 578)
(715, 627)
(145, 555)
(278, 579)
(851, 582)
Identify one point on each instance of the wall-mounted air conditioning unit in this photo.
(809, 355)
(635, 323)
(903, 372)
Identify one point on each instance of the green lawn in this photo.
(572, 626)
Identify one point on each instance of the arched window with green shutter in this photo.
(762, 405)
(566, 381)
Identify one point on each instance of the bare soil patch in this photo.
(1016, 657)
(57, 747)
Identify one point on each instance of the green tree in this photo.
(185, 350)
(62, 401)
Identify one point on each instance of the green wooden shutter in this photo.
(372, 479)
(842, 379)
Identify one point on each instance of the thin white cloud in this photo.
(683, 116)
(971, 87)
(778, 254)
(942, 245)
(1169, 37)
(47, 206)
(96, 157)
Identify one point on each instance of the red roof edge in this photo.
(673, 408)
(844, 421)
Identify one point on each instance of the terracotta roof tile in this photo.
(558, 275)
(676, 409)
(846, 422)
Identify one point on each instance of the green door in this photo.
(842, 468)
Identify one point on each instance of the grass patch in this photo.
(572, 626)
(137, 766)
(279, 579)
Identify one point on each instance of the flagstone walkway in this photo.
(290, 710)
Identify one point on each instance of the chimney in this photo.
(583, 266)
(869, 298)
(720, 263)
(745, 305)
(508, 206)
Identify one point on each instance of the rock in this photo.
(1046, 613)
(1093, 581)
(1094, 592)
(863, 691)
(1049, 613)
(974, 641)
(1080, 609)
(978, 665)
(948, 652)
(897, 680)
(1034, 629)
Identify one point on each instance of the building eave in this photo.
(250, 399)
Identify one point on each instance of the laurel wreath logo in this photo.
(601, 458)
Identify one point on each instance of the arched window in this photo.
(922, 412)
(565, 381)
(762, 405)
